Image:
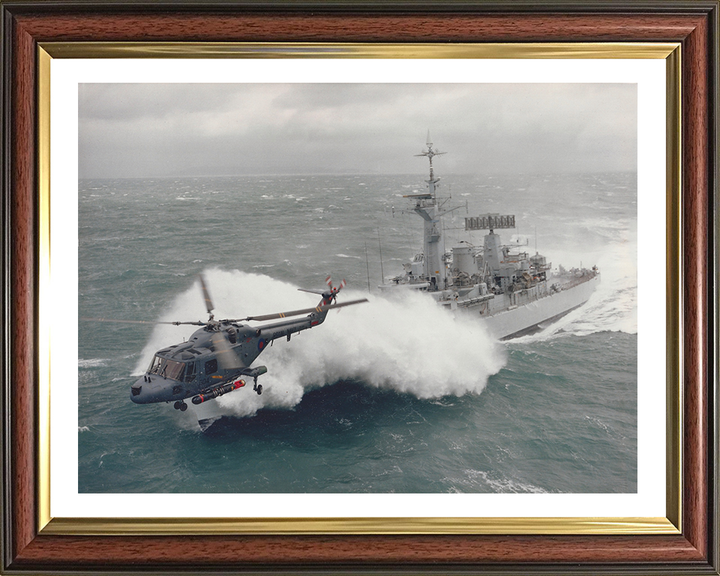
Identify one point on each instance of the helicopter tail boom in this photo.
(315, 317)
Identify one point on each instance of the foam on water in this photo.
(408, 344)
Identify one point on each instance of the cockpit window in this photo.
(167, 368)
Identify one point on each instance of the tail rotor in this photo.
(331, 296)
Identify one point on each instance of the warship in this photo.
(513, 293)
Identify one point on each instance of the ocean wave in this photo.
(474, 479)
(92, 362)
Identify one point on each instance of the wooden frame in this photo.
(693, 24)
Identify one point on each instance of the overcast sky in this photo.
(159, 130)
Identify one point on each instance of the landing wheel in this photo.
(177, 405)
(183, 406)
(259, 389)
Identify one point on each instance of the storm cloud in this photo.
(161, 130)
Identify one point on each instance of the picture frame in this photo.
(687, 541)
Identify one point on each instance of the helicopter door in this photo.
(211, 366)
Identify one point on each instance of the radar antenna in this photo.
(430, 154)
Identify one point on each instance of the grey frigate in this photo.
(512, 292)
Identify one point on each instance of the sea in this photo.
(391, 396)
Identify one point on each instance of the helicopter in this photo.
(214, 360)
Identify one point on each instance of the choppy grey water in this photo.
(389, 396)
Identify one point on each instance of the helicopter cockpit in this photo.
(211, 362)
(167, 368)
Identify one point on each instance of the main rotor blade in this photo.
(208, 301)
(194, 323)
(303, 311)
(226, 356)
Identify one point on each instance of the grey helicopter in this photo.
(214, 360)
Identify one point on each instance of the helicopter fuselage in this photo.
(214, 357)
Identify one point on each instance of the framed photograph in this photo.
(512, 209)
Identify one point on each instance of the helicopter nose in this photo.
(136, 392)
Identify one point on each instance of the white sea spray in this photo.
(406, 343)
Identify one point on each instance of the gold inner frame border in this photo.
(671, 524)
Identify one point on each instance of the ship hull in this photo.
(534, 316)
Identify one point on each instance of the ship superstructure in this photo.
(513, 292)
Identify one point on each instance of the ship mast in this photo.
(426, 206)
(430, 154)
